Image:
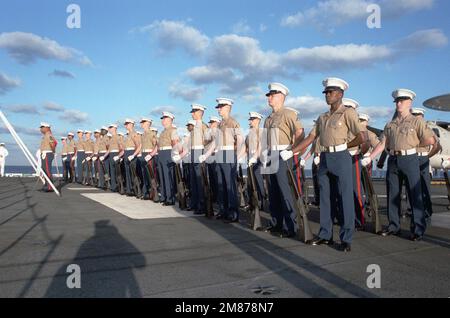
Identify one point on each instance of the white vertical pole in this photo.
(27, 153)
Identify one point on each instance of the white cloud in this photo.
(74, 116)
(22, 109)
(418, 41)
(307, 105)
(332, 13)
(157, 111)
(241, 27)
(186, 93)
(26, 48)
(171, 35)
(7, 83)
(61, 73)
(326, 58)
(54, 107)
(262, 27)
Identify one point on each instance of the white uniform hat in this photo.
(418, 111)
(128, 121)
(80, 131)
(404, 94)
(191, 122)
(97, 131)
(2, 143)
(350, 103)
(104, 128)
(109, 134)
(71, 134)
(255, 115)
(363, 116)
(112, 126)
(333, 83)
(88, 132)
(62, 138)
(168, 114)
(139, 133)
(278, 88)
(44, 125)
(154, 128)
(120, 133)
(224, 101)
(214, 119)
(144, 119)
(196, 107)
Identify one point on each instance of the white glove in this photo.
(102, 158)
(202, 158)
(94, 159)
(83, 161)
(366, 161)
(88, 159)
(74, 158)
(445, 164)
(367, 154)
(286, 155)
(130, 158)
(303, 163)
(241, 160)
(317, 160)
(116, 158)
(176, 158)
(43, 155)
(148, 158)
(252, 161)
(64, 159)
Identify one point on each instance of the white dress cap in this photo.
(278, 88)
(350, 103)
(333, 83)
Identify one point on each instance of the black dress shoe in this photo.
(219, 217)
(390, 232)
(345, 247)
(416, 237)
(273, 229)
(321, 241)
(189, 209)
(285, 234)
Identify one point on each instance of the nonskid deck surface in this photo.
(131, 248)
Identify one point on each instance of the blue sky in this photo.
(136, 58)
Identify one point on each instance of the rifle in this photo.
(135, 177)
(241, 188)
(89, 177)
(107, 178)
(208, 191)
(373, 200)
(181, 188)
(119, 177)
(83, 177)
(304, 230)
(254, 203)
(153, 183)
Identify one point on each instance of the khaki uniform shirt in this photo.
(89, 146)
(102, 144)
(333, 129)
(281, 127)
(47, 142)
(406, 134)
(80, 145)
(64, 150)
(167, 137)
(197, 135)
(253, 142)
(148, 141)
(70, 146)
(130, 139)
(229, 130)
(114, 143)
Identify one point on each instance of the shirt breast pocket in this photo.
(407, 130)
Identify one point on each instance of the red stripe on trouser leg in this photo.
(358, 185)
(47, 171)
(299, 184)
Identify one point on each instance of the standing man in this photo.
(148, 144)
(372, 141)
(333, 129)
(64, 159)
(95, 157)
(282, 127)
(402, 136)
(167, 143)
(114, 153)
(358, 190)
(47, 149)
(80, 155)
(253, 145)
(103, 157)
(425, 153)
(197, 147)
(230, 146)
(3, 154)
(89, 154)
(70, 162)
(132, 147)
(210, 148)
